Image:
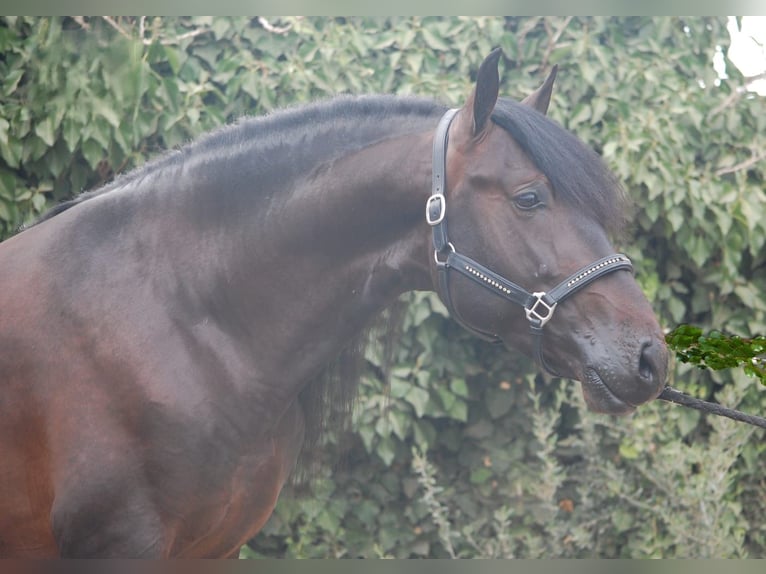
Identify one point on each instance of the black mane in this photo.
(294, 139)
(347, 123)
(577, 173)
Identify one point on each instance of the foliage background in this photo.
(468, 451)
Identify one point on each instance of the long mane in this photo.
(278, 146)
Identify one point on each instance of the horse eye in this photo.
(527, 200)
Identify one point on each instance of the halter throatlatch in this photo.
(540, 306)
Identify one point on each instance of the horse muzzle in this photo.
(614, 386)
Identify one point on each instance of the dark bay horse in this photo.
(157, 335)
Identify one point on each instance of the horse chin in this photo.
(600, 398)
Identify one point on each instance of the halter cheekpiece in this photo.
(538, 306)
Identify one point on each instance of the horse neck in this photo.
(331, 254)
(365, 216)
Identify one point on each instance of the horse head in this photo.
(527, 259)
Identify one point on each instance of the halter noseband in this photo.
(539, 306)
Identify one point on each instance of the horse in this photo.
(160, 335)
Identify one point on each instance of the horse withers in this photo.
(159, 336)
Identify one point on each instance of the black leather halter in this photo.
(538, 306)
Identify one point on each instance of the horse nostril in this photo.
(650, 368)
(644, 365)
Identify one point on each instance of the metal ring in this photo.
(436, 254)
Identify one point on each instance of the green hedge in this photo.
(467, 451)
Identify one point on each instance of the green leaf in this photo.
(480, 475)
(498, 402)
(103, 109)
(39, 202)
(688, 420)
(71, 131)
(433, 41)
(400, 424)
(11, 81)
(459, 387)
(5, 213)
(448, 399)
(458, 411)
(599, 109)
(628, 451)
(4, 125)
(419, 399)
(367, 434)
(717, 350)
(386, 450)
(92, 152)
(676, 219)
(622, 519)
(7, 185)
(399, 387)
(420, 312)
(45, 130)
(425, 434)
(582, 114)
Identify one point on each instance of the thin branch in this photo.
(750, 79)
(742, 165)
(81, 21)
(177, 39)
(149, 41)
(737, 94)
(109, 20)
(674, 396)
(730, 100)
(553, 40)
(274, 29)
(521, 36)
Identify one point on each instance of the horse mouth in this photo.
(600, 398)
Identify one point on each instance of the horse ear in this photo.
(484, 96)
(541, 97)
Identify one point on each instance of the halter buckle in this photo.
(444, 263)
(540, 312)
(436, 209)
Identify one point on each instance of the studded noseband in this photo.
(538, 306)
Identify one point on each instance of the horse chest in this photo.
(228, 516)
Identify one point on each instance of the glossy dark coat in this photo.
(155, 335)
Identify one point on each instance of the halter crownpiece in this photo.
(539, 306)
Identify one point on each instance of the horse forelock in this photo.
(576, 172)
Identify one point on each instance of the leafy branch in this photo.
(717, 350)
(431, 491)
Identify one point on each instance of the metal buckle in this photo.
(540, 312)
(436, 256)
(442, 209)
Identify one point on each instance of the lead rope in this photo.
(675, 396)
